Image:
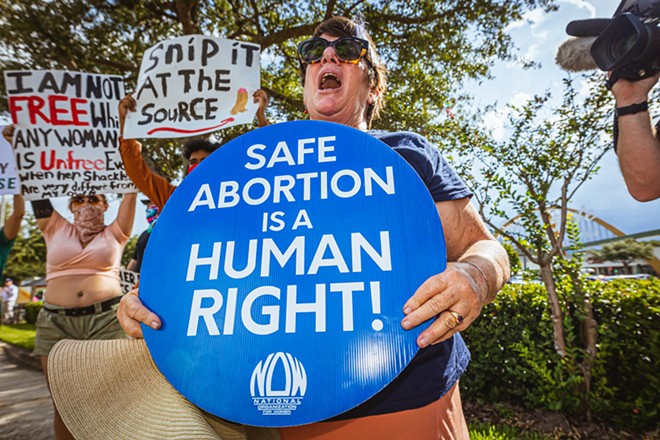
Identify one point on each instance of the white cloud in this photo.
(520, 99)
(531, 54)
(581, 4)
(535, 17)
(530, 18)
(495, 122)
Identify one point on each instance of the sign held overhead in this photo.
(193, 85)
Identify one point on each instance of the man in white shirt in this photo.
(9, 296)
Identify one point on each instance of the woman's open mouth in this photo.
(329, 81)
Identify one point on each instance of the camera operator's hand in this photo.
(631, 92)
(638, 146)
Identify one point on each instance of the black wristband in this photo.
(632, 108)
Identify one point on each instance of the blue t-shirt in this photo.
(436, 368)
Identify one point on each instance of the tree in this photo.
(532, 176)
(427, 46)
(28, 256)
(624, 251)
(551, 155)
(570, 263)
(129, 250)
(514, 258)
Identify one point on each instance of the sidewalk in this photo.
(26, 411)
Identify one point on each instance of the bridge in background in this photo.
(597, 232)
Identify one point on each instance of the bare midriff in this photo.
(81, 290)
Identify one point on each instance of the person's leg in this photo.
(97, 326)
(61, 432)
(12, 313)
(51, 328)
(450, 414)
(5, 312)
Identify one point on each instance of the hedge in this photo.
(32, 310)
(513, 359)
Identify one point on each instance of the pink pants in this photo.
(441, 420)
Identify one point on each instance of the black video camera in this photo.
(629, 43)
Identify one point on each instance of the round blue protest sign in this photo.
(280, 267)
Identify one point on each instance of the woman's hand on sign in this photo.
(132, 312)
(456, 296)
(127, 103)
(261, 98)
(8, 134)
(454, 290)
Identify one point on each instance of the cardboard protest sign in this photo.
(66, 138)
(9, 183)
(128, 280)
(280, 267)
(194, 85)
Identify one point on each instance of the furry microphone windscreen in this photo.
(574, 55)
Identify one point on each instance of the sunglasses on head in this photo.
(88, 199)
(348, 49)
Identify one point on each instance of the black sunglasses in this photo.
(348, 49)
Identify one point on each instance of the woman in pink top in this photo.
(82, 273)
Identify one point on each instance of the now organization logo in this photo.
(278, 384)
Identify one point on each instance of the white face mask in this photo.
(88, 220)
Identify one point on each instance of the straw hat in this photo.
(112, 390)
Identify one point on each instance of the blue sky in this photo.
(538, 37)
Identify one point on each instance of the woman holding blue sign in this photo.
(344, 82)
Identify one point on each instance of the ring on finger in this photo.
(457, 316)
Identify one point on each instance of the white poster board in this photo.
(193, 85)
(67, 132)
(128, 280)
(9, 183)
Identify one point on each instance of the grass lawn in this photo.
(18, 334)
(484, 431)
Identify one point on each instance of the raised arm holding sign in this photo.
(12, 224)
(301, 263)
